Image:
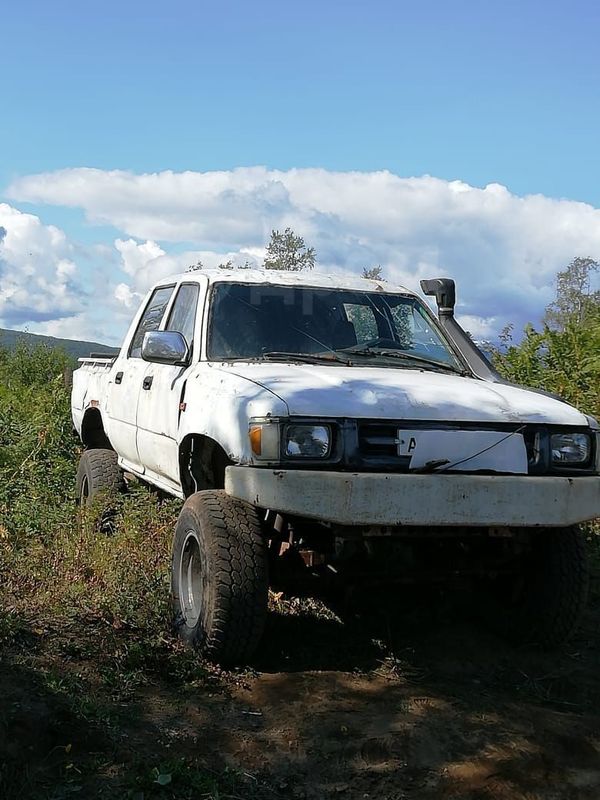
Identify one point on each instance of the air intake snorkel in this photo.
(444, 291)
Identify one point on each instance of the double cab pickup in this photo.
(339, 419)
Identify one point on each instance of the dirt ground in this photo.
(415, 704)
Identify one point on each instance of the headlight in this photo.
(570, 448)
(306, 441)
(272, 440)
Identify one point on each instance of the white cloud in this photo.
(124, 295)
(135, 256)
(43, 288)
(37, 273)
(503, 250)
(479, 327)
(147, 263)
(82, 326)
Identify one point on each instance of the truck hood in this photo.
(391, 393)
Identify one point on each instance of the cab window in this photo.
(183, 312)
(151, 318)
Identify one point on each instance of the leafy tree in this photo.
(287, 251)
(229, 264)
(564, 357)
(33, 364)
(374, 273)
(522, 363)
(574, 299)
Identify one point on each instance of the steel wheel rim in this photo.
(190, 580)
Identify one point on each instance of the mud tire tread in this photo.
(554, 593)
(235, 589)
(103, 473)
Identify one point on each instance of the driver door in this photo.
(162, 397)
(125, 382)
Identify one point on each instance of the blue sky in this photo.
(479, 92)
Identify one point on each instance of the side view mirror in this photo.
(165, 347)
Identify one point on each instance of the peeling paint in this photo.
(391, 393)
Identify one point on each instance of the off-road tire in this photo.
(544, 603)
(219, 577)
(98, 473)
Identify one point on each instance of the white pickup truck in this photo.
(339, 419)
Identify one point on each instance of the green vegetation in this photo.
(564, 356)
(287, 251)
(373, 273)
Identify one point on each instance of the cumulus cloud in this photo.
(52, 285)
(37, 272)
(146, 263)
(503, 250)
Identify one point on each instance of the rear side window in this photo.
(183, 313)
(151, 318)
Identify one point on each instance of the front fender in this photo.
(218, 404)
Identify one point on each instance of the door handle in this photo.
(118, 377)
(147, 382)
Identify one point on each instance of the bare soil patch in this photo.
(414, 703)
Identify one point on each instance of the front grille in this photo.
(378, 442)
(378, 446)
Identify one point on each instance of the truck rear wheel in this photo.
(219, 576)
(98, 472)
(544, 602)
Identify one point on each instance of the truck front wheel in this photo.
(544, 601)
(219, 577)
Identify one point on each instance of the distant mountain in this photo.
(77, 349)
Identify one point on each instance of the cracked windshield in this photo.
(355, 328)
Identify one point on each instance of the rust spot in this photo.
(94, 404)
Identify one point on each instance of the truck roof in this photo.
(287, 278)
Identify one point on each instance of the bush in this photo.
(39, 451)
(51, 559)
(565, 361)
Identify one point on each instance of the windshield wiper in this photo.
(401, 354)
(308, 358)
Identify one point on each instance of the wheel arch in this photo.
(93, 433)
(202, 463)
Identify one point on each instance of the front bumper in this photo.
(405, 499)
